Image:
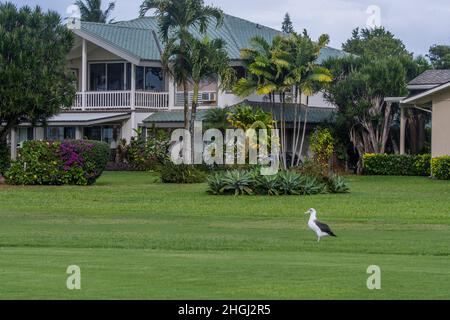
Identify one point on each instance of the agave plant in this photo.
(289, 183)
(267, 185)
(238, 182)
(216, 183)
(337, 184)
(311, 186)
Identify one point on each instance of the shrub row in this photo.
(241, 182)
(397, 165)
(441, 167)
(58, 163)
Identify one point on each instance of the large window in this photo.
(150, 79)
(97, 77)
(25, 134)
(60, 133)
(108, 134)
(117, 77)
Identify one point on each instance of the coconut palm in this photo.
(91, 10)
(176, 18)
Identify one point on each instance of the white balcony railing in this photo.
(152, 100)
(103, 100)
(205, 98)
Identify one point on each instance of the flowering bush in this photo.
(58, 163)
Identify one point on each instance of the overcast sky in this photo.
(418, 23)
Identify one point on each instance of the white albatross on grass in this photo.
(321, 229)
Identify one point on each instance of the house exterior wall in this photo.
(441, 124)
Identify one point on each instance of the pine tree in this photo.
(287, 26)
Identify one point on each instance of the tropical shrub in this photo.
(311, 186)
(396, 165)
(337, 184)
(216, 183)
(238, 182)
(58, 163)
(267, 185)
(143, 154)
(244, 117)
(289, 183)
(312, 169)
(441, 167)
(183, 174)
(322, 145)
(4, 158)
(248, 182)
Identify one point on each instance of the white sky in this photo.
(419, 24)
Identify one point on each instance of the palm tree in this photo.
(308, 77)
(91, 10)
(268, 74)
(203, 59)
(209, 60)
(175, 20)
(277, 68)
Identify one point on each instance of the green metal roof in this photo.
(139, 42)
(316, 115)
(139, 37)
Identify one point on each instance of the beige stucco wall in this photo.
(441, 124)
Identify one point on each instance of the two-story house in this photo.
(121, 84)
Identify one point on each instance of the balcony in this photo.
(112, 100)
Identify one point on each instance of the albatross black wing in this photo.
(325, 228)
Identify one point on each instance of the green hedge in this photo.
(58, 163)
(441, 167)
(397, 165)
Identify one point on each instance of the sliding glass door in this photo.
(116, 76)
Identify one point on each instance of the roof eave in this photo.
(425, 94)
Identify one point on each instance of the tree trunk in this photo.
(304, 130)
(186, 105)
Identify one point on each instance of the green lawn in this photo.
(136, 239)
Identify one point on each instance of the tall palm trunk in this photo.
(283, 130)
(194, 106)
(186, 105)
(194, 117)
(304, 131)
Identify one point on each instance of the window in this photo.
(60, 133)
(26, 134)
(93, 133)
(150, 79)
(115, 76)
(97, 77)
(108, 134)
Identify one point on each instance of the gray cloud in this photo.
(419, 24)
